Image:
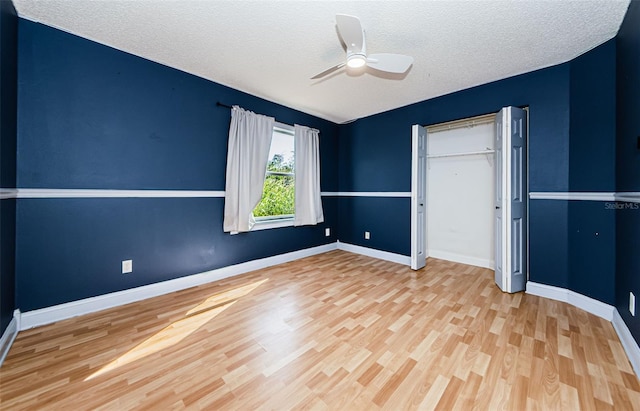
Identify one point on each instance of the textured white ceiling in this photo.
(271, 49)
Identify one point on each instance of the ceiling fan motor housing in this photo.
(355, 60)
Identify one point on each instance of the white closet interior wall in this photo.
(460, 192)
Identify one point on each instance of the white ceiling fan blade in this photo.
(328, 71)
(351, 32)
(392, 63)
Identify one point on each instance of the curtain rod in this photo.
(219, 104)
(277, 123)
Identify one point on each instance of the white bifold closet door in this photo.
(418, 197)
(511, 200)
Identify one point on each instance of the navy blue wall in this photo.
(593, 120)
(8, 118)
(375, 155)
(571, 148)
(628, 166)
(94, 117)
(592, 158)
(377, 215)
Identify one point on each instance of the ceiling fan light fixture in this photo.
(356, 61)
(352, 35)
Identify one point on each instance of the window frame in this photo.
(284, 220)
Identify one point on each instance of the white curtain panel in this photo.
(249, 143)
(308, 200)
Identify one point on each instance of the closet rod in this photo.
(469, 153)
(464, 123)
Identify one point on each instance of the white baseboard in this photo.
(30, 319)
(628, 342)
(594, 307)
(372, 252)
(48, 315)
(64, 311)
(588, 304)
(9, 335)
(459, 258)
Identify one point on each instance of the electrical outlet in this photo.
(632, 303)
(367, 235)
(127, 266)
(327, 232)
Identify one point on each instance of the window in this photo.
(277, 207)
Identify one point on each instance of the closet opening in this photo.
(461, 186)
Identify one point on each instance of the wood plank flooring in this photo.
(337, 331)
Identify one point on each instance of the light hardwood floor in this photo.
(337, 331)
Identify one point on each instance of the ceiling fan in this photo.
(352, 34)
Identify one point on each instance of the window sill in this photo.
(269, 224)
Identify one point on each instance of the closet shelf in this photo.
(468, 153)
